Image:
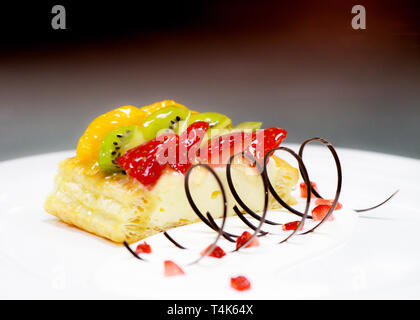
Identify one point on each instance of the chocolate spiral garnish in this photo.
(262, 219)
(173, 240)
(247, 222)
(268, 187)
(226, 235)
(233, 190)
(306, 180)
(191, 201)
(339, 178)
(378, 205)
(132, 252)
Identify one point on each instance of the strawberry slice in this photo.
(304, 190)
(291, 226)
(326, 202)
(240, 283)
(320, 212)
(141, 162)
(172, 269)
(264, 141)
(143, 248)
(189, 144)
(256, 143)
(217, 252)
(244, 237)
(221, 148)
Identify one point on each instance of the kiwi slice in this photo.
(249, 125)
(167, 119)
(115, 143)
(215, 120)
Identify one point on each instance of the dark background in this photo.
(294, 64)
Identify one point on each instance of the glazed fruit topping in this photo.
(243, 238)
(256, 143)
(240, 283)
(147, 161)
(172, 269)
(143, 248)
(189, 145)
(217, 252)
(290, 226)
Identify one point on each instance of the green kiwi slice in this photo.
(215, 120)
(115, 143)
(249, 125)
(167, 119)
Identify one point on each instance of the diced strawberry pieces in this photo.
(304, 190)
(217, 252)
(291, 226)
(326, 202)
(244, 237)
(240, 283)
(320, 212)
(143, 248)
(172, 269)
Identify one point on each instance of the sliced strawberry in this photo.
(143, 248)
(244, 237)
(326, 202)
(141, 162)
(221, 148)
(217, 252)
(320, 212)
(291, 226)
(256, 143)
(189, 144)
(303, 189)
(262, 143)
(240, 283)
(172, 269)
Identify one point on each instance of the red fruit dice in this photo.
(319, 212)
(303, 189)
(172, 269)
(244, 237)
(240, 283)
(143, 248)
(217, 252)
(291, 226)
(320, 201)
(189, 144)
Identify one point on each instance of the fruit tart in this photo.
(126, 181)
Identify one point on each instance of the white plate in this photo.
(373, 256)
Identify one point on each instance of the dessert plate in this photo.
(365, 255)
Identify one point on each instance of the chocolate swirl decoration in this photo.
(268, 187)
(209, 221)
(261, 219)
(306, 180)
(339, 177)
